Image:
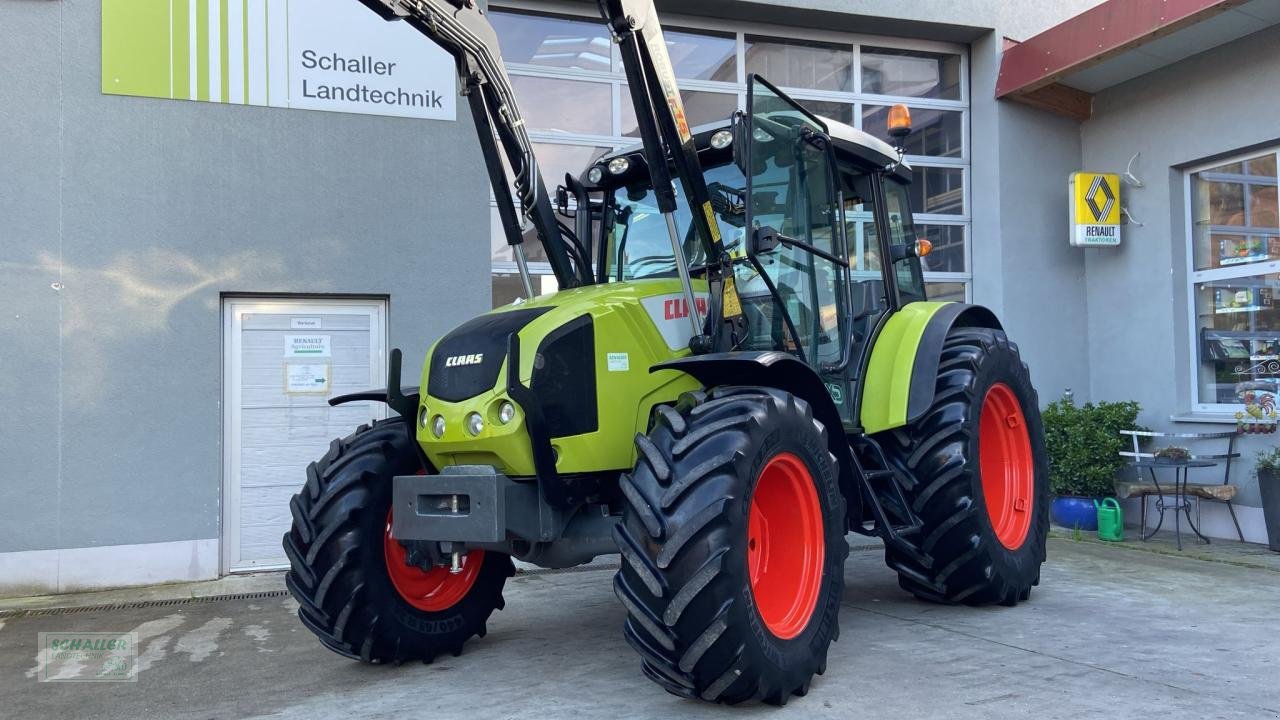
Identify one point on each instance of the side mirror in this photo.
(738, 127)
(562, 202)
(764, 239)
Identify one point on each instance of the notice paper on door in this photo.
(306, 379)
(306, 346)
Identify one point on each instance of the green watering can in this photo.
(1110, 520)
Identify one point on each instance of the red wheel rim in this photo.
(1006, 465)
(785, 545)
(431, 590)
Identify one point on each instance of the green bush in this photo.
(1084, 444)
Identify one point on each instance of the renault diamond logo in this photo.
(1099, 186)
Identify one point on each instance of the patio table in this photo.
(1180, 470)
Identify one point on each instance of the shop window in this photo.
(501, 252)
(703, 56)
(552, 41)
(557, 159)
(946, 291)
(700, 108)
(893, 71)
(937, 133)
(842, 112)
(801, 64)
(507, 287)
(1235, 283)
(948, 248)
(566, 107)
(937, 190)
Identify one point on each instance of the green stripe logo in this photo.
(332, 55)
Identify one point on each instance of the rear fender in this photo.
(784, 372)
(900, 378)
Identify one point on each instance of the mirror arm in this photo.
(764, 239)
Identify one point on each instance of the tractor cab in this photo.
(827, 203)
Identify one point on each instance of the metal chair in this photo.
(1215, 492)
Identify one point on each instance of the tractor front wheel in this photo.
(976, 475)
(733, 547)
(355, 587)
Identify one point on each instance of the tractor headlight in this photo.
(424, 416)
(619, 165)
(506, 412)
(437, 426)
(722, 140)
(475, 423)
(595, 175)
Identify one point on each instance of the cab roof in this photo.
(847, 139)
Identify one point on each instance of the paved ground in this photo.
(1110, 633)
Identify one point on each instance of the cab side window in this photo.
(902, 232)
(860, 227)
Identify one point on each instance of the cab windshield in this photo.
(638, 244)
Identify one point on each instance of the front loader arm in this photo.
(461, 29)
(664, 131)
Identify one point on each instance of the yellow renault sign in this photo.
(1095, 209)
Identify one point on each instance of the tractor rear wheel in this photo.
(977, 476)
(354, 587)
(733, 547)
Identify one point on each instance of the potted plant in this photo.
(1084, 444)
(1268, 470)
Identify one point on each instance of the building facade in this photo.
(159, 257)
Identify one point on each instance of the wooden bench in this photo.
(1216, 493)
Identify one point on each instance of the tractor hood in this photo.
(584, 358)
(466, 362)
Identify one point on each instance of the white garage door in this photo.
(284, 360)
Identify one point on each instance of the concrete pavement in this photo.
(1110, 633)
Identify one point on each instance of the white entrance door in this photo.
(283, 360)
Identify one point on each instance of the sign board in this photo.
(304, 323)
(306, 379)
(1095, 209)
(332, 55)
(306, 346)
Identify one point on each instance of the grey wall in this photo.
(147, 211)
(1183, 114)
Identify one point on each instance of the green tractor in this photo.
(740, 366)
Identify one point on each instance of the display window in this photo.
(1235, 285)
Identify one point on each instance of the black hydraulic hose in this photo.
(575, 249)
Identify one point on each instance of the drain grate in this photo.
(43, 612)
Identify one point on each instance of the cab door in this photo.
(795, 283)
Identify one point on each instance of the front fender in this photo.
(900, 378)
